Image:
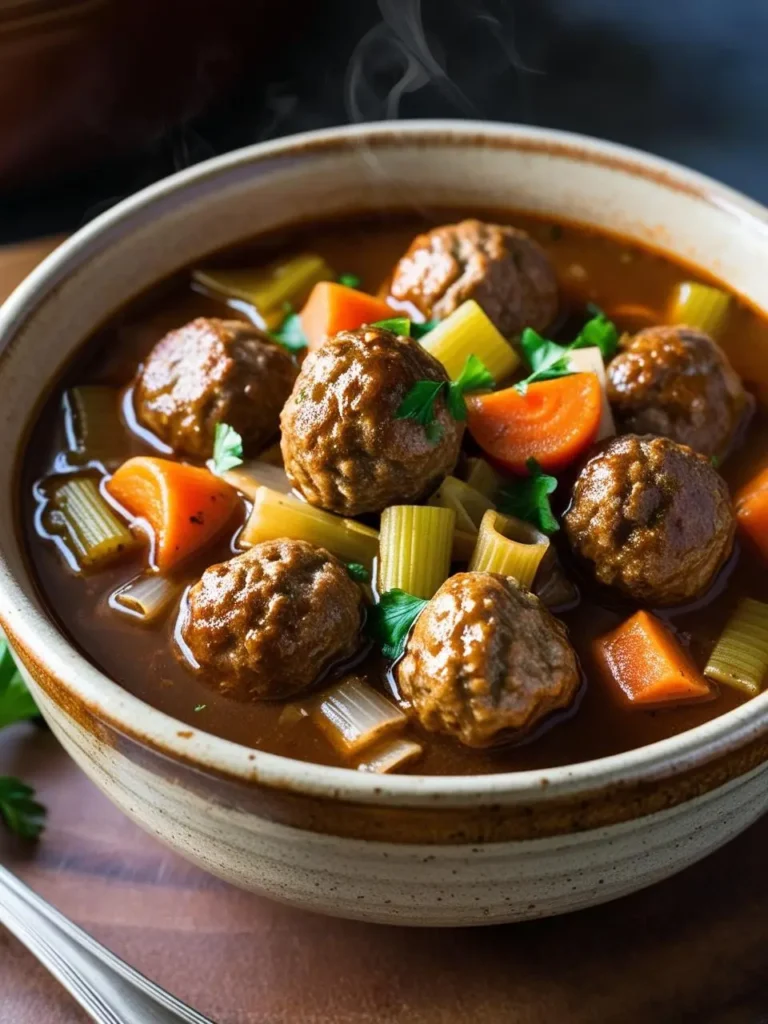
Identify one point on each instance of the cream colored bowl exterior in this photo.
(409, 850)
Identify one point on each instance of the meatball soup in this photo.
(434, 495)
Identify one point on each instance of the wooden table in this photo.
(693, 949)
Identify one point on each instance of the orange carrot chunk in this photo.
(185, 506)
(333, 307)
(751, 504)
(647, 663)
(553, 422)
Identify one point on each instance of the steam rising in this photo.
(396, 57)
(397, 46)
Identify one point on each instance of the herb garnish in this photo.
(397, 324)
(290, 334)
(227, 448)
(390, 621)
(419, 330)
(549, 360)
(528, 498)
(419, 403)
(200, 707)
(408, 328)
(598, 332)
(349, 280)
(18, 808)
(358, 572)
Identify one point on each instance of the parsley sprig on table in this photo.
(18, 808)
(419, 403)
(548, 359)
(227, 448)
(389, 622)
(528, 498)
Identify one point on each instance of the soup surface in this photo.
(624, 281)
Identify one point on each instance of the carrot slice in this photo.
(185, 506)
(553, 422)
(333, 307)
(648, 664)
(751, 505)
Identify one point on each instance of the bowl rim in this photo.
(45, 648)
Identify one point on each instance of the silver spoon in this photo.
(108, 989)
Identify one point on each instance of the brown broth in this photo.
(591, 268)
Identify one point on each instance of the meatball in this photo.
(213, 371)
(344, 447)
(486, 661)
(677, 382)
(271, 621)
(501, 268)
(653, 517)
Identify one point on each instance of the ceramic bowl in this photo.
(403, 849)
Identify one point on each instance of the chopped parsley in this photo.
(397, 324)
(548, 359)
(18, 808)
(358, 572)
(200, 707)
(419, 330)
(349, 280)
(408, 328)
(227, 448)
(290, 333)
(598, 332)
(389, 622)
(419, 403)
(528, 498)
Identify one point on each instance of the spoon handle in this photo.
(108, 989)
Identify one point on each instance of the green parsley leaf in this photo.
(18, 808)
(290, 333)
(714, 461)
(419, 405)
(200, 707)
(475, 376)
(528, 498)
(398, 325)
(549, 360)
(389, 622)
(599, 332)
(358, 572)
(16, 703)
(349, 280)
(419, 330)
(546, 358)
(227, 448)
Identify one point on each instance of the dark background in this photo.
(687, 79)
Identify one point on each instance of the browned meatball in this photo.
(343, 446)
(501, 268)
(486, 661)
(677, 382)
(213, 371)
(271, 621)
(653, 517)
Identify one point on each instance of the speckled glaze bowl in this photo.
(402, 849)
